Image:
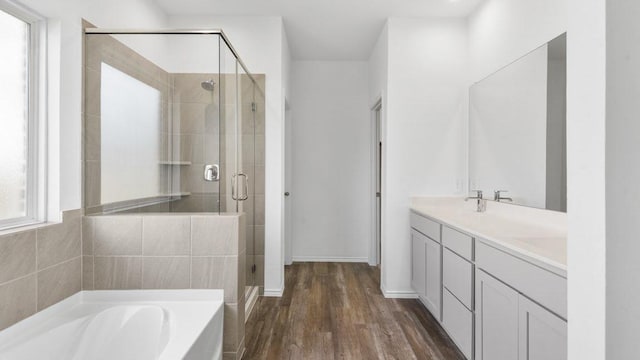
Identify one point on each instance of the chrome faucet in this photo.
(497, 196)
(481, 202)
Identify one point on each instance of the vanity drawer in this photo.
(426, 226)
(458, 277)
(538, 284)
(458, 321)
(460, 243)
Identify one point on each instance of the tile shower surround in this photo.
(188, 135)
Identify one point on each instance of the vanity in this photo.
(494, 274)
(495, 280)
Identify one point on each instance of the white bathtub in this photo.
(122, 325)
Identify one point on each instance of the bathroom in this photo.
(277, 180)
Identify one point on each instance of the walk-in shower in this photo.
(174, 123)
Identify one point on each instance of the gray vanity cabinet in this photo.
(433, 287)
(509, 325)
(426, 277)
(457, 282)
(426, 263)
(494, 304)
(496, 319)
(418, 263)
(542, 335)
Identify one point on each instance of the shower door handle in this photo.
(234, 180)
(245, 195)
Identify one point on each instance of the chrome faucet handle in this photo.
(481, 204)
(497, 195)
(477, 197)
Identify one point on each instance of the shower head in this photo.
(208, 85)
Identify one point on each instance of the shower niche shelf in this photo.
(177, 194)
(175, 163)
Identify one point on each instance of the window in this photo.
(21, 124)
(130, 124)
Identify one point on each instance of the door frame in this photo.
(375, 247)
(288, 184)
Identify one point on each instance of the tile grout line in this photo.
(37, 270)
(142, 251)
(146, 256)
(60, 263)
(19, 278)
(81, 253)
(190, 252)
(93, 251)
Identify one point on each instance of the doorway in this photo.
(288, 241)
(377, 174)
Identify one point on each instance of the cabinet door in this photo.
(496, 319)
(418, 260)
(433, 287)
(458, 321)
(543, 335)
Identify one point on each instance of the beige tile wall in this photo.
(171, 251)
(195, 137)
(39, 267)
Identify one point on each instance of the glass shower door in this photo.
(195, 132)
(228, 131)
(246, 154)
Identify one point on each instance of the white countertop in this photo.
(537, 235)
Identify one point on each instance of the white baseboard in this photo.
(273, 292)
(330, 259)
(398, 294)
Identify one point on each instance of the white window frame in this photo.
(36, 202)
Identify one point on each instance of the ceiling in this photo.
(329, 29)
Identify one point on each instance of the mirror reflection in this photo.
(517, 130)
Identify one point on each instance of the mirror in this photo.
(517, 130)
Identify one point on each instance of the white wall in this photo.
(260, 43)
(424, 144)
(65, 82)
(378, 67)
(378, 70)
(501, 31)
(331, 161)
(622, 179)
(586, 86)
(286, 65)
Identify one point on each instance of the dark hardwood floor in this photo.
(336, 311)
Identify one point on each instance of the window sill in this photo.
(26, 227)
